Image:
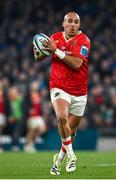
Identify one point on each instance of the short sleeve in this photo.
(82, 48)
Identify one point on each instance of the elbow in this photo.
(77, 66)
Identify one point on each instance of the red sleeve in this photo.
(82, 48)
(56, 36)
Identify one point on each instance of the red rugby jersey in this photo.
(74, 82)
(35, 108)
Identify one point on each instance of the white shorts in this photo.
(36, 122)
(2, 120)
(77, 103)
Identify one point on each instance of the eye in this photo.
(76, 22)
(70, 20)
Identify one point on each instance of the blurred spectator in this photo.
(4, 111)
(16, 113)
(36, 125)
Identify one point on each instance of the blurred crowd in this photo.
(24, 91)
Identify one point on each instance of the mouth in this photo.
(72, 30)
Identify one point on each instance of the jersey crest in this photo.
(74, 42)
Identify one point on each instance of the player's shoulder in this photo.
(84, 37)
(56, 35)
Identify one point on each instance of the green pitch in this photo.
(36, 166)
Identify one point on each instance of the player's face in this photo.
(71, 24)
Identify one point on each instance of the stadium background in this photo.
(19, 22)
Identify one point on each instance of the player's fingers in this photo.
(56, 42)
(48, 40)
(46, 49)
(35, 49)
(45, 43)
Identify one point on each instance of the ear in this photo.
(63, 24)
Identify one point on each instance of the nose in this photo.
(72, 24)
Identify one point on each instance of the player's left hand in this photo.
(37, 54)
(50, 45)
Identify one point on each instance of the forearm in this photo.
(73, 62)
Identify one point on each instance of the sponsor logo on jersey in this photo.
(56, 94)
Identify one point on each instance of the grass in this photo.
(90, 165)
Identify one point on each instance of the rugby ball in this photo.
(37, 41)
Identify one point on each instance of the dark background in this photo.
(21, 20)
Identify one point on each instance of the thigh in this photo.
(61, 102)
(61, 108)
(74, 122)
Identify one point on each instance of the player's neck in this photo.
(67, 37)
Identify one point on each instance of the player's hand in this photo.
(37, 54)
(50, 45)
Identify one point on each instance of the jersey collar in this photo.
(63, 34)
